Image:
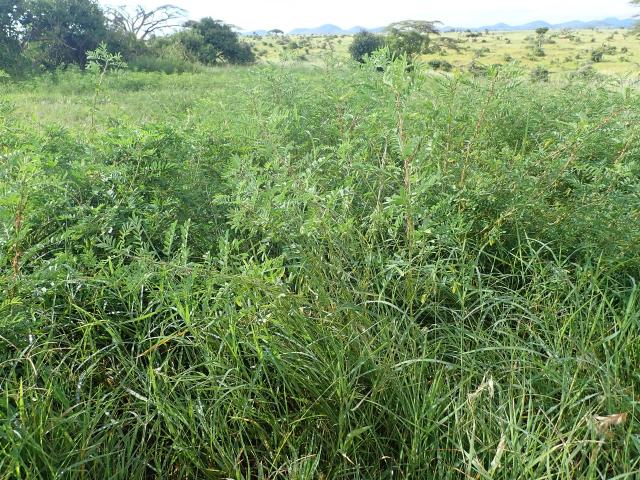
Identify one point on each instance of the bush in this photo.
(153, 63)
(320, 274)
(212, 42)
(538, 51)
(478, 69)
(540, 74)
(441, 65)
(364, 44)
(597, 55)
(586, 73)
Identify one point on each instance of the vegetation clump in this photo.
(365, 43)
(328, 273)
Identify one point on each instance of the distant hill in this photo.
(330, 29)
(327, 29)
(575, 24)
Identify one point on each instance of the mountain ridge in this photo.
(331, 29)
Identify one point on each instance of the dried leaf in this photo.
(604, 424)
(495, 464)
(486, 385)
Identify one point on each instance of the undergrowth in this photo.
(337, 273)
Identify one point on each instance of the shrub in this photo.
(597, 55)
(588, 72)
(482, 52)
(540, 74)
(212, 42)
(477, 69)
(538, 51)
(441, 65)
(330, 273)
(364, 44)
(155, 63)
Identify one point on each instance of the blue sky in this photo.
(288, 14)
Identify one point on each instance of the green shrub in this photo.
(364, 44)
(441, 65)
(282, 272)
(538, 51)
(540, 74)
(597, 55)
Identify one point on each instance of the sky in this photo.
(289, 14)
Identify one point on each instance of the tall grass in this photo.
(328, 273)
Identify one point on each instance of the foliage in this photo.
(410, 37)
(441, 65)
(540, 74)
(538, 51)
(99, 62)
(211, 41)
(597, 55)
(12, 14)
(365, 43)
(328, 273)
(61, 32)
(38, 35)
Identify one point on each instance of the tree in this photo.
(12, 16)
(143, 24)
(58, 32)
(211, 42)
(276, 32)
(365, 43)
(411, 37)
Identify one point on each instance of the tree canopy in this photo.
(143, 23)
(365, 43)
(59, 32)
(411, 37)
(12, 16)
(212, 41)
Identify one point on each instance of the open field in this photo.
(564, 51)
(321, 273)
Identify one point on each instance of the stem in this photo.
(406, 167)
(476, 133)
(103, 72)
(18, 221)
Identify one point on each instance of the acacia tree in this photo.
(142, 23)
(411, 37)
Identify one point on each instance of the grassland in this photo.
(326, 272)
(565, 51)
